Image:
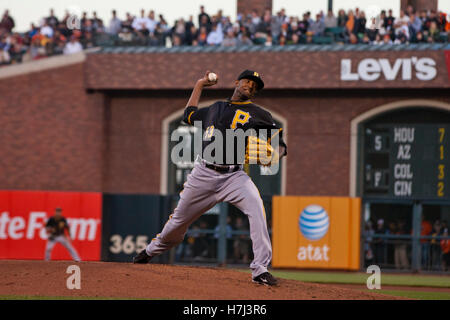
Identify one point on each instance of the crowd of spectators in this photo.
(69, 34)
(201, 245)
(396, 252)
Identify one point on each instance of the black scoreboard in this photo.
(407, 161)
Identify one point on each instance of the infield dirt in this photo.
(156, 281)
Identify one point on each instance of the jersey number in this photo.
(209, 132)
(240, 117)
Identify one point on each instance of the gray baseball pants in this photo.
(63, 240)
(205, 188)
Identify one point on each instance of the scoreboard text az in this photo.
(407, 161)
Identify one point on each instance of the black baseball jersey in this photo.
(58, 225)
(223, 115)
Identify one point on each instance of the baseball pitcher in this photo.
(220, 179)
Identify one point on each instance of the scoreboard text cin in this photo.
(406, 161)
(403, 175)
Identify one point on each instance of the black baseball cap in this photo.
(252, 75)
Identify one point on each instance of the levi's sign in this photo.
(370, 69)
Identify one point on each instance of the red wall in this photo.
(23, 215)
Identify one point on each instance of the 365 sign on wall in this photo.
(23, 215)
(316, 232)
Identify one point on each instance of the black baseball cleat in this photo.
(266, 278)
(142, 257)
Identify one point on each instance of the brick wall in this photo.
(419, 5)
(318, 135)
(56, 135)
(247, 6)
(50, 132)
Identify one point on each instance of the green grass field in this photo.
(361, 278)
(406, 280)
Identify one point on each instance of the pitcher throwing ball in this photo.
(214, 181)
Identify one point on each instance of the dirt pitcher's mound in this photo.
(125, 280)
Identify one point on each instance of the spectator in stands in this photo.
(202, 36)
(230, 39)
(378, 40)
(244, 40)
(51, 20)
(203, 21)
(372, 30)
(47, 30)
(425, 230)
(435, 246)
(350, 23)
(360, 24)
(303, 25)
(389, 21)
(151, 22)
(431, 18)
(215, 37)
(378, 244)
(179, 29)
(295, 39)
(191, 35)
(97, 23)
(73, 46)
(176, 40)
(419, 38)
(84, 19)
(114, 24)
(58, 42)
(228, 237)
(414, 25)
(390, 247)
(433, 32)
(401, 38)
(444, 22)
(241, 243)
(264, 26)
(380, 26)
(368, 236)
(400, 253)
(140, 24)
(330, 20)
(128, 22)
(308, 16)
(4, 50)
(401, 25)
(277, 22)
(294, 30)
(387, 39)
(445, 247)
(353, 39)
(7, 23)
(317, 28)
(341, 18)
(281, 40)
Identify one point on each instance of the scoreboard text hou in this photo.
(407, 161)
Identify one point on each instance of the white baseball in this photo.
(212, 77)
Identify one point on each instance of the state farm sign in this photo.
(23, 215)
(20, 228)
(370, 69)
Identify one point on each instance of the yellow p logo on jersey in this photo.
(256, 74)
(240, 117)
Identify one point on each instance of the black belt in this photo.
(221, 169)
